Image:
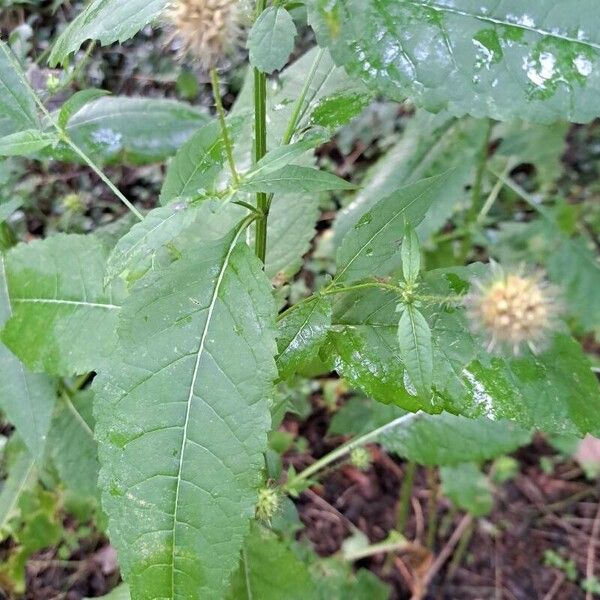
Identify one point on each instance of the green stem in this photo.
(299, 106)
(214, 78)
(432, 514)
(347, 448)
(7, 237)
(373, 549)
(260, 149)
(405, 496)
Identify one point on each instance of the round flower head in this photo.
(513, 309)
(207, 30)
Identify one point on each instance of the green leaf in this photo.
(371, 246)
(25, 143)
(291, 227)
(430, 145)
(271, 39)
(182, 416)
(414, 340)
(198, 162)
(9, 207)
(302, 331)
(432, 440)
(17, 104)
(468, 488)
(135, 131)
(63, 320)
(72, 445)
(27, 399)
(294, 178)
(22, 476)
(76, 102)
(411, 255)
(269, 570)
(506, 60)
(105, 20)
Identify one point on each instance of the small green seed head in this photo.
(360, 458)
(268, 504)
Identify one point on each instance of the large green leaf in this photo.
(27, 399)
(271, 39)
(25, 143)
(108, 21)
(372, 245)
(182, 415)
(302, 331)
(430, 145)
(533, 59)
(63, 320)
(131, 130)
(295, 178)
(17, 105)
(72, 445)
(270, 571)
(442, 439)
(468, 488)
(555, 391)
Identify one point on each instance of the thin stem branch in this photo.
(347, 448)
(405, 496)
(299, 106)
(373, 549)
(216, 86)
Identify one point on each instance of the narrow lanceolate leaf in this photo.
(411, 255)
(107, 21)
(294, 178)
(301, 333)
(17, 105)
(271, 39)
(372, 245)
(63, 319)
(269, 571)
(72, 445)
(24, 143)
(21, 476)
(76, 102)
(27, 399)
(182, 416)
(198, 162)
(414, 339)
(534, 59)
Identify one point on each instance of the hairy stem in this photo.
(216, 86)
(345, 449)
(405, 496)
(260, 149)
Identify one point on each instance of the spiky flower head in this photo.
(513, 309)
(360, 458)
(267, 504)
(206, 30)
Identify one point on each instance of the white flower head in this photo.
(513, 309)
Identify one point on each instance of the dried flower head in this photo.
(513, 309)
(207, 30)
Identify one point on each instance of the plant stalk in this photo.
(405, 496)
(260, 149)
(216, 86)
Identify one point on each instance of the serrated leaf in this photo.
(468, 488)
(294, 178)
(76, 102)
(534, 60)
(72, 445)
(271, 39)
(411, 255)
(269, 570)
(136, 131)
(414, 340)
(182, 416)
(372, 245)
(198, 162)
(432, 440)
(430, 144)
(17, 104)
(27, 399)
(301, 333)
(25, 143)
(107, 21)
(63, 320)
